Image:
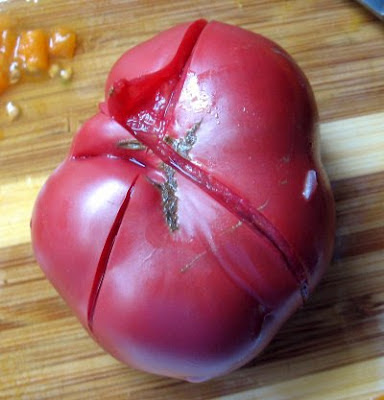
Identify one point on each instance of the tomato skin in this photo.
(203, 299)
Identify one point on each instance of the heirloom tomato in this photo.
(192, 215)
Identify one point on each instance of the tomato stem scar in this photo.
(169, 188)
(184, 145)
(169, 198)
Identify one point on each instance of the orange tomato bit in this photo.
(4, 80)
(62, 43)
(7, 43)
(32, 51)
(8, 39)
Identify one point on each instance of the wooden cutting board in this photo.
(331, 349)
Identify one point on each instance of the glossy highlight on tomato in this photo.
(192, 215)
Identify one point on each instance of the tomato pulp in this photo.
(192, 215)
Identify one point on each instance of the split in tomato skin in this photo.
(228, 122)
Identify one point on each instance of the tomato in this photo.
(192, 215)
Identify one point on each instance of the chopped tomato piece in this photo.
(32, 50)
(62, 43)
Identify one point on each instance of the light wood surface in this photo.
(331, 349)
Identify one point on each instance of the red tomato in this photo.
(192, 215)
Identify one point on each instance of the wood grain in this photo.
(331, 349)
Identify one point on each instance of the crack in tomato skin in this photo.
(105, 255)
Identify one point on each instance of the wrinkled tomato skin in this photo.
(201, 300)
